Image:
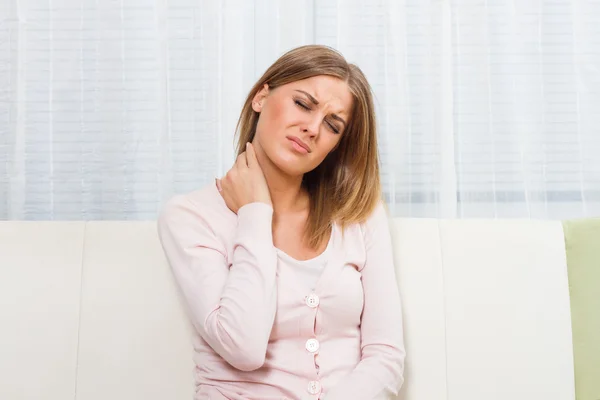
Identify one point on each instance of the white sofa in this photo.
(89, 311)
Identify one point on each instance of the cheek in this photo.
(273, 117)
(327, 148)
(332, 143)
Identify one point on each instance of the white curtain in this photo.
(485, 108)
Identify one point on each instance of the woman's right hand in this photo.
(245, 182)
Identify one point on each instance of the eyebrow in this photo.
(316, 103)
(337, 117)
(310, 97)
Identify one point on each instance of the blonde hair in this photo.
(346, 186)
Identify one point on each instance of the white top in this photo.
(308, 271)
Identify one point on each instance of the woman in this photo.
(285, 263)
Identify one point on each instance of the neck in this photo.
(287, 194)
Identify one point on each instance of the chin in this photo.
(290, 163)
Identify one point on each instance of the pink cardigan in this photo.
(259, 333)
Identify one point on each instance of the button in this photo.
(312, 345)
(314, 387)
(312, 300)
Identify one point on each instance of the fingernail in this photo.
(218, 185)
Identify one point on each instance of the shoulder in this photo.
(202, 206)
(376, 222)
(377, 219)
(370, 234)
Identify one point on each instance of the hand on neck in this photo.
(287, 194)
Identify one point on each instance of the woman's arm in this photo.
(379, 374)
(233, 309)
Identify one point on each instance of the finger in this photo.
(218, 183)
(251, 155)
(242, 160)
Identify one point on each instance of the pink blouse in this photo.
(260, 334)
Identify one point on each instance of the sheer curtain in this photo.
(485, 108)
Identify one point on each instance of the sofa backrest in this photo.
(92, 314)
(486, 308)
(90, 311)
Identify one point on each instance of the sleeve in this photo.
(379, 374)
(232, 308)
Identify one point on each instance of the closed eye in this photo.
(301, 104)
(333, 128)
(307, 108)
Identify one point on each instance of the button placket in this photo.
(312, 345)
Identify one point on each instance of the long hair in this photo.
(345, 188)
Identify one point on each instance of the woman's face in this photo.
(313, 111)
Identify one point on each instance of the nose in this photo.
(311, 126)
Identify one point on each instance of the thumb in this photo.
(251, 156)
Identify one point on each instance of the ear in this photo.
(259, 98)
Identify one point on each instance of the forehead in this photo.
(328, 90)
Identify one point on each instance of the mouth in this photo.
(299, 145)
